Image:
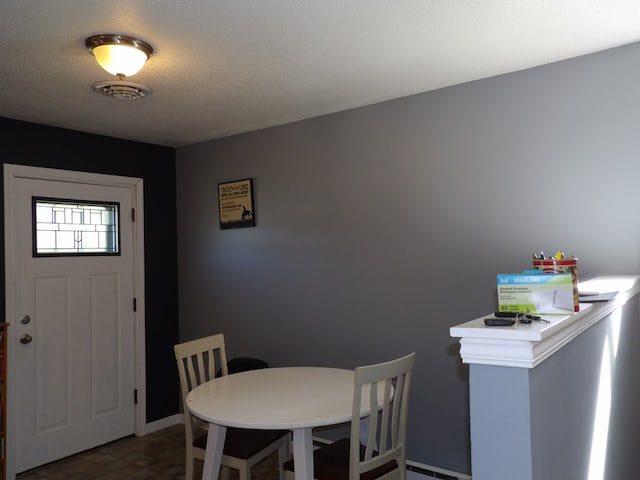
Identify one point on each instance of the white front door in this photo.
(73, 332)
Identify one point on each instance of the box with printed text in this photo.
(543, 293)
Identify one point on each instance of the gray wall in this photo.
(379, 228)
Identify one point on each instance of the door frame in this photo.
(13, 172)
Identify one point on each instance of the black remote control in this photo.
(499, 322)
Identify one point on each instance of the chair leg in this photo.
(225, 473)
(244, 472)
(188, 470)
(284, 455)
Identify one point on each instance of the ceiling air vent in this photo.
(122, 90)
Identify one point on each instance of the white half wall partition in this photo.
(557, 399)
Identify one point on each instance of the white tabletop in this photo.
(276, 398)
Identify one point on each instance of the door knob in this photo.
(26, 338)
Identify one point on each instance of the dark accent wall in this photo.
(37, 145)
(379, 228)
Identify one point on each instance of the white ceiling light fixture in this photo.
(119, 55)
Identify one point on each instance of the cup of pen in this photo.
(559, 266)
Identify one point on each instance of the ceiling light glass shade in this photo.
(119, 55)
(120, 59)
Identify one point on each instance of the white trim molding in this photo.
(528, 345)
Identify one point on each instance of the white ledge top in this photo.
(527, 345)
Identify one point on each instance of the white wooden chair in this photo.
(198, 361)
(384, 454)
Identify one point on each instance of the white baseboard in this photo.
(163, 423)
(421, 471)
(411, 475)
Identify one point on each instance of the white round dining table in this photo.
(287, 398)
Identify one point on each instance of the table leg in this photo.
(213, 453)
(303, 453)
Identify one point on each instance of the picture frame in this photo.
(235, 204)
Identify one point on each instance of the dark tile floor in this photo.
(158, 455)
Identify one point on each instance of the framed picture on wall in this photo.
(235, 204)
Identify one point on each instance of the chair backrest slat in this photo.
(372, 445)
(384, 424)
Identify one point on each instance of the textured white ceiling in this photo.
(222, 67)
